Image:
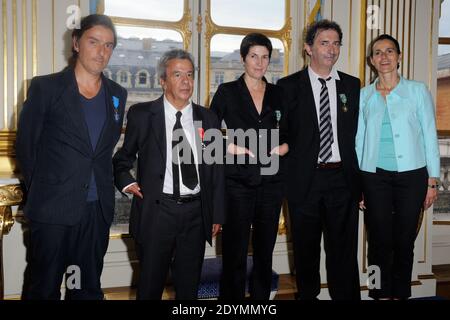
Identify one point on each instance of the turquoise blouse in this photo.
(386, 157)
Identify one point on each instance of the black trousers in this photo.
(176, 242)
(55, 247)
(394, 201)
(330, 210)
(258, 207)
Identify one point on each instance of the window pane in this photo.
(256, 14)
(444, 21)
(443, 49)
(168, 10)
(226, 62)
(443, 88)
(136, 56)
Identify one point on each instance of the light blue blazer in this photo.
(411, 111)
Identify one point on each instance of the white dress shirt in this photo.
(187, 122)
(331, 85)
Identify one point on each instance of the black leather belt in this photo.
(182, 198)
(329, 165)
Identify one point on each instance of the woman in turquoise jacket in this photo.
(398, 155)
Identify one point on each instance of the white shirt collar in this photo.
(170, 110)
(315, 77)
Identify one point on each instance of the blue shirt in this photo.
(95, 115)
(386, 157)
(411, 112)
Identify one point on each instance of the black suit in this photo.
(323, 200)
(145, 137)
(57, 160)
(253, 199)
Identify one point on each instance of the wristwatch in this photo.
(436, 185)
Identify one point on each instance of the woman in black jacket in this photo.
(254, 187)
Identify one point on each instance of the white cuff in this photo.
(123, 190)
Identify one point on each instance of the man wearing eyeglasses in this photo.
(323, 184)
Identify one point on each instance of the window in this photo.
(228, 26)
(270, 13)
(142, 78)
(440, 210)
(443, 73)
(168, 10)
(219, 78)
(123, 77)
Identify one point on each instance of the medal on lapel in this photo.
(278, 118)
(116, 108)
(343, 98)
(201, 133)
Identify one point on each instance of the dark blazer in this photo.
(303, 132)
(145, 139)
(54, 149)
(233, 103)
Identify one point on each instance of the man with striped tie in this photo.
(323, 184)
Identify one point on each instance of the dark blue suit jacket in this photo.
(55, 154)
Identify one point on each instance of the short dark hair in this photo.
(384, 37)
(255, 39)
(321, 25)
(170, 55)
(89, 22)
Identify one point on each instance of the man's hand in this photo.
(216, 229)
(134, 189)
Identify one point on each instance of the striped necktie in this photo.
(325, 127)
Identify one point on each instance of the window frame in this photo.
(182, 26)
(212, 29)
(442, 41)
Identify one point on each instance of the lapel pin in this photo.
(278, 118)
(201, 133)
(116, 108)
(343, 98)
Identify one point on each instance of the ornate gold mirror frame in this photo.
(10, 195)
